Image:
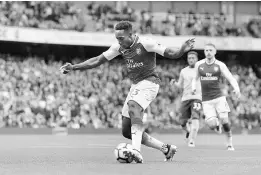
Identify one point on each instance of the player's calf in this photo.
(225, 123)
(186, 127)
(194, 125)
(136, 114)
(193, 132)
(126, 127)
(227, 128)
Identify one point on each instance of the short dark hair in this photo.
(123, 25)
(211, 44)
(193, 52)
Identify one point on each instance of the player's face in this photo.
(209, 51)
(192, 59)
(124, 38)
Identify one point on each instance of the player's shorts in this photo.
(213, 108)
(190, 109)
(143, 93)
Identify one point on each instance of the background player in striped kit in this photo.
(190, 103)
(210, 71)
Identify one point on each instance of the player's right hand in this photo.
(238, 93)
(173, 82)
(65, 69)
(193, 91)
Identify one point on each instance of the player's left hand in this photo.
(188, 45)
(238, 94)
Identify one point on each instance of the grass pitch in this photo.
(93, 155)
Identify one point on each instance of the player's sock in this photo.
(194, 129)
(186, 129)
(187, 135)
(153, 143)
(136, 135)
(228, 133)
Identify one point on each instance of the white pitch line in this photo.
(49, 146)
(74, 147)
(104, 145)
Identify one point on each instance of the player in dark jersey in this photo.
(209, 71)
(140, 57)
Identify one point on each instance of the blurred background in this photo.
(36, 38)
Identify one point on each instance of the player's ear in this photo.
(215, 50)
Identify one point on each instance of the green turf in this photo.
(93, 155)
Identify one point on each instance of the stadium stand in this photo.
(102, 17)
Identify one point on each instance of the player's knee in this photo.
(224, 117)
(137, 121)
(226, 127)
(212, 122)
(195, 116)
(182, 120)
(183, 123)
(135, 112)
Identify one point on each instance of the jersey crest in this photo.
(138, 51)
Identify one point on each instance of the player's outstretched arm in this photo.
(227, 74)
(174, 53)
(88, 64)
(111, 53)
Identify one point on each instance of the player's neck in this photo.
(133, 40)
(211, 60)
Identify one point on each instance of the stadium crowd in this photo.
(33, 93)
(101, 17)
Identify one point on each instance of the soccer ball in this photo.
(120, 153)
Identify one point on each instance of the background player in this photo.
(140, 58)
(210, 70)
(190, 103)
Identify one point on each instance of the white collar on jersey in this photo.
(209, 63)
(134, 41)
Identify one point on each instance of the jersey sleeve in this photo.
(196, 68)
(152, 46)
(181, 78)
(224, 71)
(228, 75)
(112, 52)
